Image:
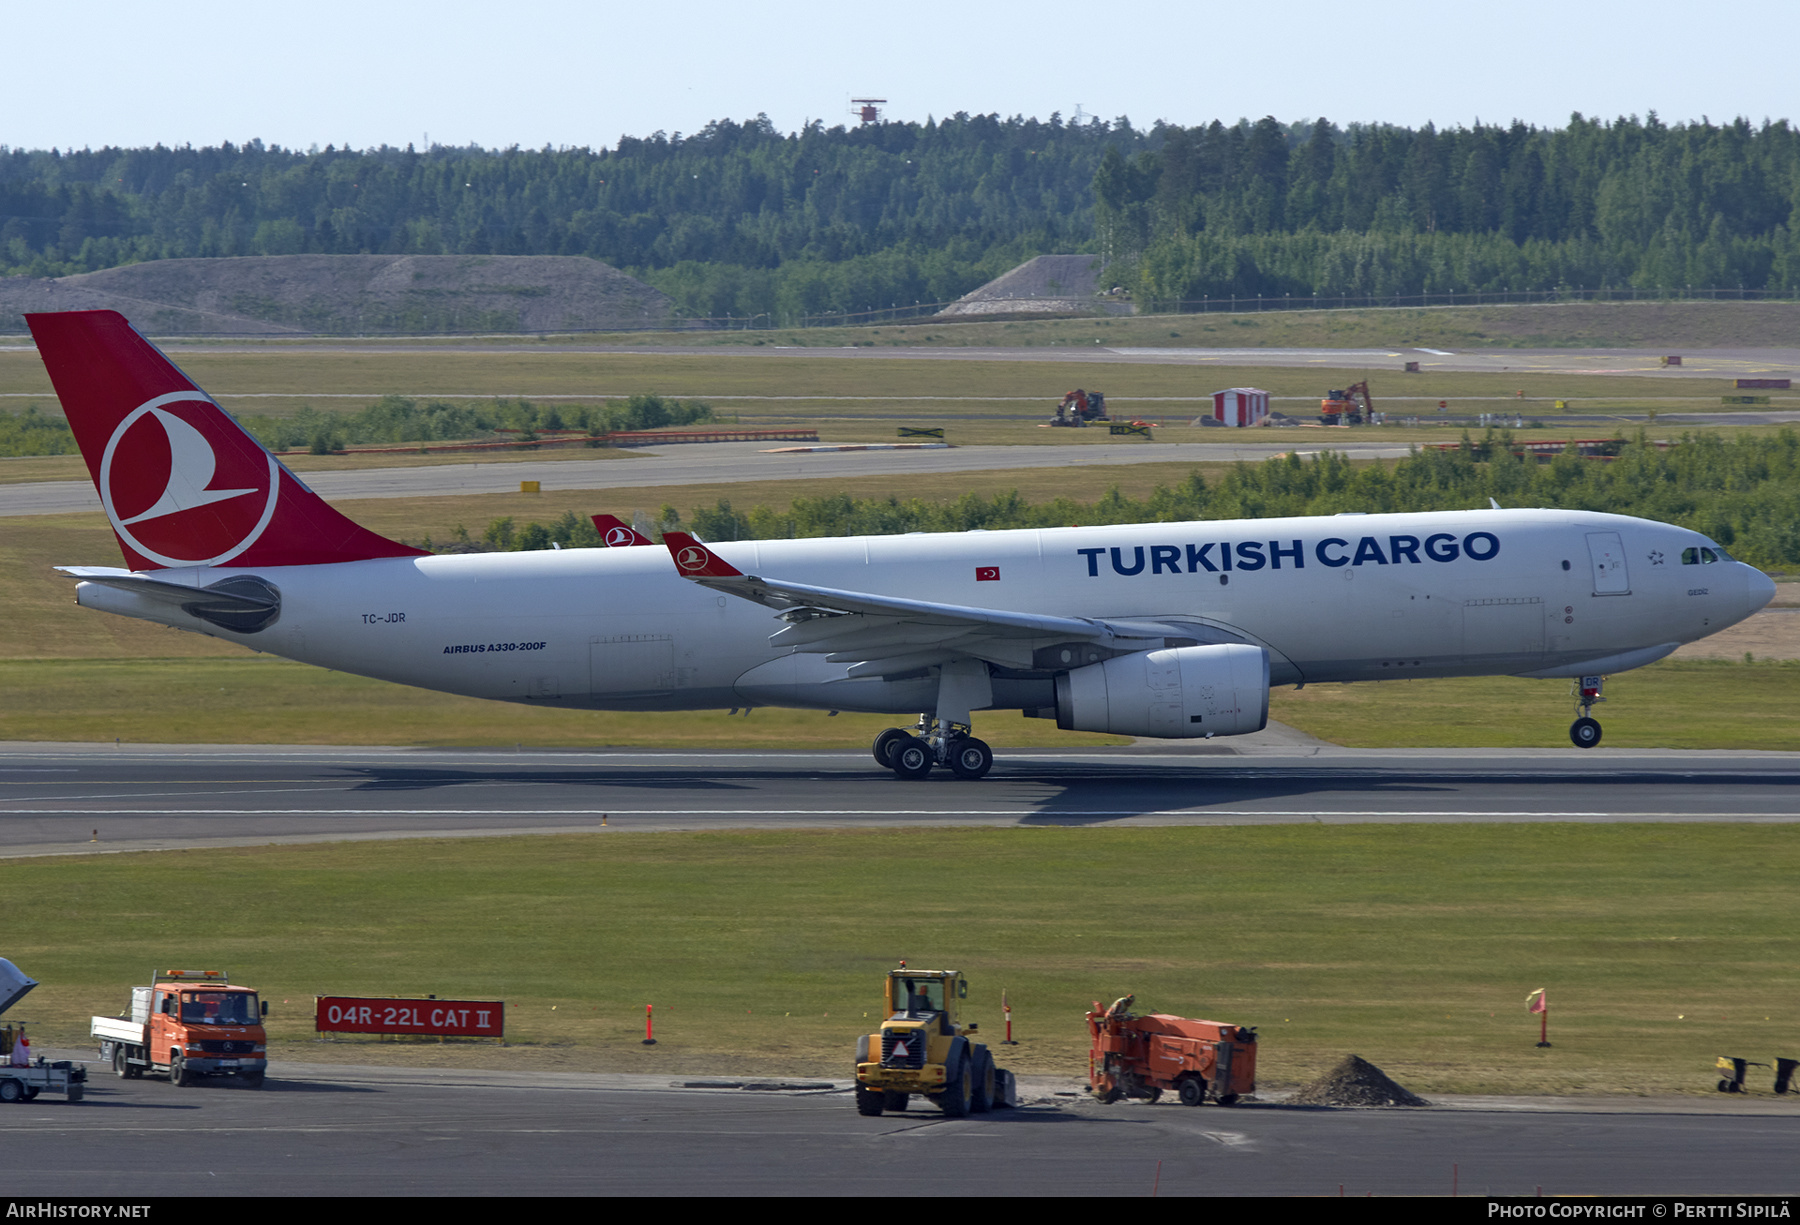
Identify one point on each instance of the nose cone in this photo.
(1759, 588)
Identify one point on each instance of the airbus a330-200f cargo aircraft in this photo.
(1170, 630)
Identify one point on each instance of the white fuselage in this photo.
(1338, 598)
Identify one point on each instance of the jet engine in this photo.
(1179, 693)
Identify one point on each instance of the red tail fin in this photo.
(619, 534)
(182, 483)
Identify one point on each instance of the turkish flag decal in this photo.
(987, 574)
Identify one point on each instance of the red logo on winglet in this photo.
(987, 574)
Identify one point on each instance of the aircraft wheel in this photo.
(912, 758)
(1193, 1091)
(970, 758)
(885, 744)
(1585, 733)
(869, 1101)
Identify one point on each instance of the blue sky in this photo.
(537, 72)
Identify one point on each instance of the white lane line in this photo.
(885, 812)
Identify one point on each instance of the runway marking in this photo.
(880, 812)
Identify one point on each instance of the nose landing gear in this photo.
(1585, 731)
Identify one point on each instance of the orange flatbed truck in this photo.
(187, 1024)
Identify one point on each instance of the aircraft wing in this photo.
(883, 635)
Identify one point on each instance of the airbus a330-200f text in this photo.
(1172, 630)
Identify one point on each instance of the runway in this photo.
(80, 799)
(1696, 363)
(340, 1130)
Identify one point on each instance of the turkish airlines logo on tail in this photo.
(182, 486)
(693, 558)
(620, 537)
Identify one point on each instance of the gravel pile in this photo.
(1355, 1082)
(1046, 285)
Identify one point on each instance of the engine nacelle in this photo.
(1179, 693)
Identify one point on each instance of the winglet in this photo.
(619, 534)
(695, 560)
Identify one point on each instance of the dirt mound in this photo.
(352, 294)
(1046, 285)
(1355, 1082)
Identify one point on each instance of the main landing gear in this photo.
(1585, 731)
(934, 742)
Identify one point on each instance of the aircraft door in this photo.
(632, 664)
(1607, 552)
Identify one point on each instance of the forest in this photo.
(740, 219)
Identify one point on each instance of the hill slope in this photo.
(347, 294)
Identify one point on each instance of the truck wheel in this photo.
(981, 1099)
(869, 1101)
(1193, 1091)
(121, 1069)
(178, 1073)
(1228, 1099)
(959, 1091)
(31, 1093)
(11, 1091)
(895, 1102)
(252, 1080)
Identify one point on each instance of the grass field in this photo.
(1661, 947)
(1698, 704)
(1675, 704)
(806, 386)
(263, 700)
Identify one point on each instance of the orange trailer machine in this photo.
(1140, 1056)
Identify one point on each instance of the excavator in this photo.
(1351, 406)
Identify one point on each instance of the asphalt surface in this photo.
(73, 799)
(320, 1130)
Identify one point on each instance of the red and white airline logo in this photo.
(619, 537)
(987, 574)
(693, 558)
(180, 489)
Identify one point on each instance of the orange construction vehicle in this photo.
(1079, 407)
(1141, 1056)
(1351, 406)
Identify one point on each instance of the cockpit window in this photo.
(1701, 556)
